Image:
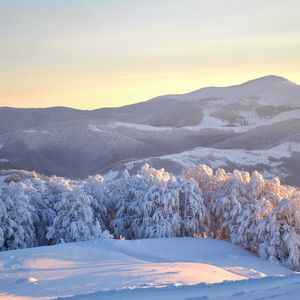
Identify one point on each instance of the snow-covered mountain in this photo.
(257, 121)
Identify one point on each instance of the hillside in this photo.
(259, 115)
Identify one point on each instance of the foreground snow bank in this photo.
(278, 288)
(107, 266)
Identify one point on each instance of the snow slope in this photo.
(210, 122)
(270, 89)
(116, 269)
(271, 159)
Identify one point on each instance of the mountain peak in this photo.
(269, 80)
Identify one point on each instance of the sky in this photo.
(98, 53)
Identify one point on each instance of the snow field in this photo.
(114, 265)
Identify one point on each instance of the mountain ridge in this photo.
(77, 143)
(274, 79)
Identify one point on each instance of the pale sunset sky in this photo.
(97, 53)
